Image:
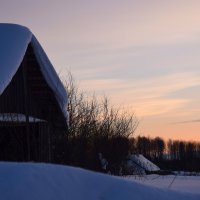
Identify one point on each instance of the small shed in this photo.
(33, 100)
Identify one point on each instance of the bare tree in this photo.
(94, 123)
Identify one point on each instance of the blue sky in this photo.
(143, 54)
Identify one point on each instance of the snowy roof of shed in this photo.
(14, 41)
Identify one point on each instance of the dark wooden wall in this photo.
(13, 141)
(28, 93)
(42, 102)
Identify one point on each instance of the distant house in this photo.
(33, 100)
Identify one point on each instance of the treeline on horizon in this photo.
(168, 155)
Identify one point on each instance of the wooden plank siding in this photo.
(13, 142)
(34, 99)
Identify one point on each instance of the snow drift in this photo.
(52, 182)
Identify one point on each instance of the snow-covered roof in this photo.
(14, 40)
(138, 160)
(16, 117)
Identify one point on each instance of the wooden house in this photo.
(33, 101)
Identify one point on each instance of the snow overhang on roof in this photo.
(14, 40)
(16, 117)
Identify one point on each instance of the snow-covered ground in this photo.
(52, 182)
(190, 184)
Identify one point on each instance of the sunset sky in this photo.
(143, 54)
